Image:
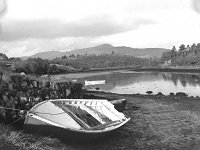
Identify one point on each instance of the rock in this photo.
(171, 94)
(22, 74)
(181, 94)
(160, 94)
(149, 92)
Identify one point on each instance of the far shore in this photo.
(187, 69)
(102, 71)
(184, 69)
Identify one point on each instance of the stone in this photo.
(160, 94)
(149, 92)
(181, 94)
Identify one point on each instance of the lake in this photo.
(130, 82)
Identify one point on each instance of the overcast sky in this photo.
(30, 26)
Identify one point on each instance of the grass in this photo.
(159, 123)
(177, 129)
(12, 139)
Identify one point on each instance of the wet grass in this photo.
(156, 123)
(12, 139)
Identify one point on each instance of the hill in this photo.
(45, 55)
(104, 49)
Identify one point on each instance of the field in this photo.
(156, 123)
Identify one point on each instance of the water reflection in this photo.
(124, 82)
(184, 79)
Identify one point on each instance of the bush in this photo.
(23, 92)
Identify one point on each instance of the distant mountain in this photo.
(104, 49)
(45, 55)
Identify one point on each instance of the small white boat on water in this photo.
(75, 119)
(94, 82)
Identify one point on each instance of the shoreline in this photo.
(96, 70)
(170, 121)
(113, 95)
(136, 69)
(157, 122)
(183, 70)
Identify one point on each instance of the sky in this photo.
(31, 26)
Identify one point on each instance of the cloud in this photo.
(32, 46)
(51, 29)
(196, 5)
(2, 9)
(2, 6)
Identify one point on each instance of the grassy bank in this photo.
(157, 122)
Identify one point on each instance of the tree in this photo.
(198, 46)
(64, 57)
(188, 47)
(194, 46)
(182, 47)
(72, 56)
(173, 49)
(53, 69)
(77, 56)
(33, 65)
(3, 56)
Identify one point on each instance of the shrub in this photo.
(23, 92)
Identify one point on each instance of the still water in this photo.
(130, 82)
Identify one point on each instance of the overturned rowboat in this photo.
(74, 119)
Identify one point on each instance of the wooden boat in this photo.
(119, 104)
(74, 119)
(94, 82)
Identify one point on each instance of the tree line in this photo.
(38, 66)
(104, 61)
(74, 63)
(184, 55)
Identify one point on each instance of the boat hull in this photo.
(63, 134)
(43, 128)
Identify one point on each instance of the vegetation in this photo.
(84, 62)
(185, 55)
(72, 63)
(40, 66)
(12, 139)
(36, 66)
(23, 92)
(3, 57)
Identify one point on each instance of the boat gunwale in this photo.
(52, 100)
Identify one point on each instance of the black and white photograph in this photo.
(99, 74)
